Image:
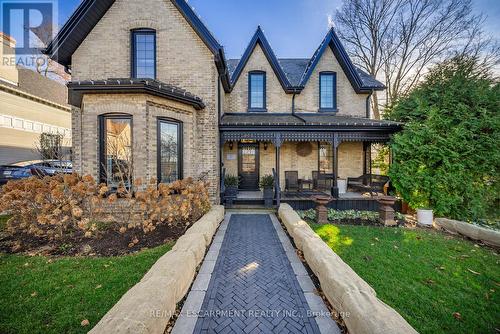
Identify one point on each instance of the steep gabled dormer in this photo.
(258, 68)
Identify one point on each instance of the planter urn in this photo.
(425, 217)
(268, 197)
(386, 210)
(230, 195)
(321, 210)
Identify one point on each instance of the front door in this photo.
(248, 166)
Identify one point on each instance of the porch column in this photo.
(277, 144)
(335, 148)
(367, 164)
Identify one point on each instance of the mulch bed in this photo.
(108, 243)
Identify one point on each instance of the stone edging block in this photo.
(148, 305)
(346, 291)
(488, 236)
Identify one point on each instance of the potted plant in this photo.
(267, 184)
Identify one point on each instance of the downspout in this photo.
(368, 103)
(293, 109)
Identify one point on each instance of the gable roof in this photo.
(90, 12)
(360, 81)
(260, 39)
(294, 73)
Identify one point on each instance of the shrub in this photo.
(448, 157)
(55, 206)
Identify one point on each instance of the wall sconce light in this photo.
(230, 145)
(265, 146)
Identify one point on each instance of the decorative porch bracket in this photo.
(278, 137)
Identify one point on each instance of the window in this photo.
(327, 91)
(169, 151)
(144, 53)
(257, 91)
(116, 150)
(325, 158)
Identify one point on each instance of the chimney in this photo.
(8, 69)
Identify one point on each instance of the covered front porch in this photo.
(321, 155)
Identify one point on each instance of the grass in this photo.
(425, 275)
(43, 295)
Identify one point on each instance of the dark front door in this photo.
(248, 165)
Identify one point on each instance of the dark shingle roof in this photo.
(295, 68)
(288, 119)
(128, 85)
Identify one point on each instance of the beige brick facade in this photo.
(350, 160)
(349, 103)
(183, 60)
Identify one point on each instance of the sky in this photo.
(294, 28)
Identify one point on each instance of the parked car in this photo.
(25, 169)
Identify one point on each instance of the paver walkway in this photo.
(252, 286)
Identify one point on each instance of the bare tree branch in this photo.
(396, 41)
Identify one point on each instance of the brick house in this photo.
(153, 95)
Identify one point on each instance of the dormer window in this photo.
(327, 91)
(144, 53)
(257, 91)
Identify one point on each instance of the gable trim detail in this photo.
(332, 41)
(260, 39)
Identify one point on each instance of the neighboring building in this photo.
(30, 104)
(175, 89)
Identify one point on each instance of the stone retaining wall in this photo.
(489, 237)
(345, 290)
(148, 306)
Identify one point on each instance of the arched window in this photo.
(143, 53)
(115, 148)
(169, 150)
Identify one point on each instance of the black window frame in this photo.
(334, 92)
(133, 33)
(264, 102)
(101, 141)
(180, 144)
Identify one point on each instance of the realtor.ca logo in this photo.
(31, 24)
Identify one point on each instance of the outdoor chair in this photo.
(291, 180)
(371, 183)
(322, 181)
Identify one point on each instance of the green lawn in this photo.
(39, 295)
(425, 275)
